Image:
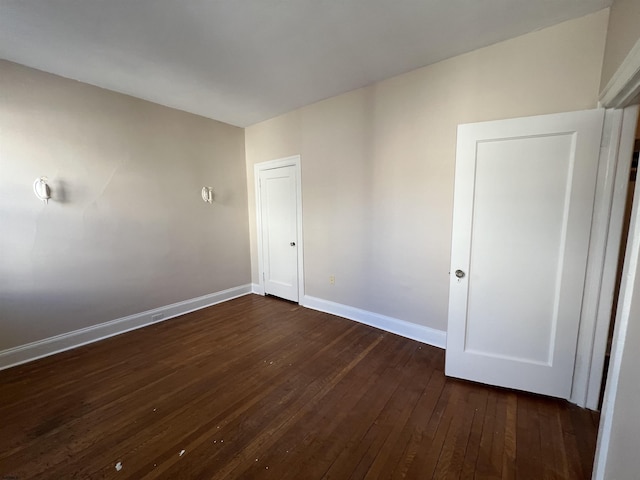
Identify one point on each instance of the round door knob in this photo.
(293, 244)
(460, 273)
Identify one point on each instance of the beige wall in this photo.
(622, 34)
(127, 230)
(378, 163)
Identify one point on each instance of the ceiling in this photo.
(244, 61)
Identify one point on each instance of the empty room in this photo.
(296, 239)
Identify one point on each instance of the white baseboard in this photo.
(257, 289)
(423, 334)
(66, 341)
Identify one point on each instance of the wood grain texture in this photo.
(259, 388)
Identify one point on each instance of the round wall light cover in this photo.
(41, 189)
(207, 194)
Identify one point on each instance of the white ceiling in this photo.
(243, 61)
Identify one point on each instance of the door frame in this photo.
(602, 261)
(619, 96)
(293, 161)
(622, 91)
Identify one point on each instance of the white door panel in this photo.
(522, 217)
(278, 190)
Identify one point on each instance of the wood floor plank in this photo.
(183, 395)
(190, 433)
(323, 437)
(357, 445)
(554, 464)
(394, 418)
(456, 439)
(478, 404)
(488, 464)
(290, 418)
(400, 444)
(424, 411)
(259, 388)
(528, 457)
(437, 429)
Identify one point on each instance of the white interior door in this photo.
(524, 197)
(278, 197)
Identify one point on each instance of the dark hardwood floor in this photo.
(262, 388)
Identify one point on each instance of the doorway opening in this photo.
(278, 187)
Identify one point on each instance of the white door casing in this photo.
(524, 193)
(602, 265)
(610, 426)
(279, 221)
(623, 90)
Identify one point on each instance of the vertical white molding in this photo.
(257, 186)
(603, 319)
(602, 258)
(626, 299)
(606, 234)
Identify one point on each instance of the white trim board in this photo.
(602, 263)
(67, 341)
(420, 333)
(624, 153)
(623, 317)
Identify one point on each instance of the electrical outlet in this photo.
(157, 316)
(332, 279)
